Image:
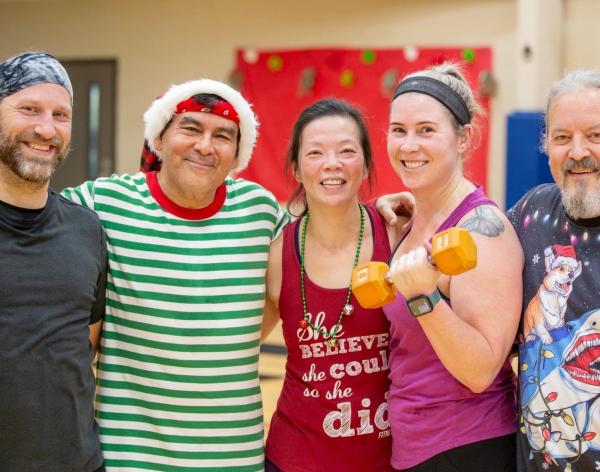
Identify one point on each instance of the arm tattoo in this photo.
(485, 221)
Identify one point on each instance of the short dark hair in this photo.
(320, 109)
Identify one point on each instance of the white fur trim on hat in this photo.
(564, 260)
(161, 112)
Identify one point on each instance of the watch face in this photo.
(420, 306)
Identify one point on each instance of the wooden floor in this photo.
(271, 367)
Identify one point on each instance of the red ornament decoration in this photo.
(303, 324)
(546, 434)
(589, 435)
(551, 396)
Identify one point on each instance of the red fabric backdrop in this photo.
(280, 84)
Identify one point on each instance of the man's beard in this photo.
(581, 201)
(31, 169)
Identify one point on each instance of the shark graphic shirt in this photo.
(559, 339)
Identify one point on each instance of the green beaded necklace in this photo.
(348, 308)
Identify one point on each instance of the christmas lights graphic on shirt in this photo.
(559, 373)
(559, 378)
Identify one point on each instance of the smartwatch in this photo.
(423, 304)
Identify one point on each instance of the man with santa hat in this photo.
(178, 385)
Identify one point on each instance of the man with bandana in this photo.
(52, 288)
(178, 384)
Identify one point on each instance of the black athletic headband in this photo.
(438, 90)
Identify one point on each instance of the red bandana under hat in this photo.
(220, 108)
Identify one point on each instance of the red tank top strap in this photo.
(289, 259)
(381, 242)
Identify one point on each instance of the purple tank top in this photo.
(430, 411)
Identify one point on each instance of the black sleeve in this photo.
(538, 193)
(511, 214)
(97, 312)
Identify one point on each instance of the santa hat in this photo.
(564, 255)
(162, 109)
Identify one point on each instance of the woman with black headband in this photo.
(452, 399)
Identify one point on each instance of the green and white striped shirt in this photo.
(178, 369)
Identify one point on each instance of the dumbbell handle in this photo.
(388, 278)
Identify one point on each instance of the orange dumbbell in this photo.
(453, 252)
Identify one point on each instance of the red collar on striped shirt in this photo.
(182, 212)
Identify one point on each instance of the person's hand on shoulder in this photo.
(398, 210)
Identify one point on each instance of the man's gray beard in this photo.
(33, 170)
(580, 203)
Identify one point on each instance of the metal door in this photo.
(93, 137)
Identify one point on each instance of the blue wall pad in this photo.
(526, 165)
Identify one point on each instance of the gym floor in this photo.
(271, 367)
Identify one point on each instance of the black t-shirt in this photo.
(53, 278)
(559, 352)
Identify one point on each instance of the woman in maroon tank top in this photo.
(452, 397)
(332, 411)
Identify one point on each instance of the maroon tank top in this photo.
(332, 411)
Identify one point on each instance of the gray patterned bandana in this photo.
(29, 69)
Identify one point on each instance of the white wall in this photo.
(582, 35)
(159, 42)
